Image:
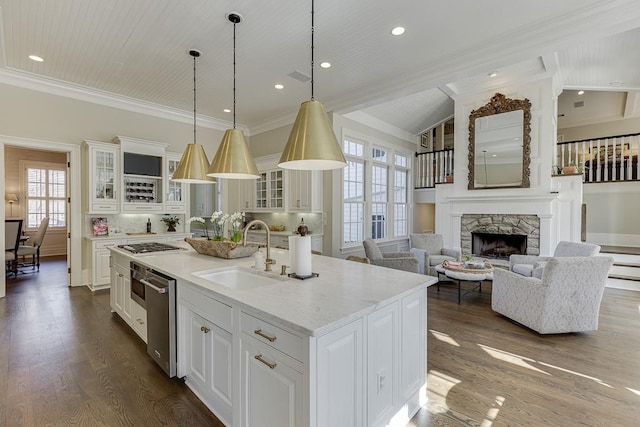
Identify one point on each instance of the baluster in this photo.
(592, 167)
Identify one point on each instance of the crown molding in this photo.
(30, 81)
(380, 125)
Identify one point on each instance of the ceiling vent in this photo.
(578, 104)
(299, 76)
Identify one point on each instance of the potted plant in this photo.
(171, 222)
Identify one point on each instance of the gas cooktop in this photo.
(148, 247)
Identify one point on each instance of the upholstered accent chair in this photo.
(399, 260)
(566, 299)
(33, 250)
(430, 251)
(533, 266)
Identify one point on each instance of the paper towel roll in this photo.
(292, 253)
(303, 256)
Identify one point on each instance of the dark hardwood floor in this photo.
(65, 360)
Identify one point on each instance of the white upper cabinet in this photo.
(176, 193)
(102, 177)
(304, 191)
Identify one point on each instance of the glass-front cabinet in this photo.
(270, 190)
(103, 176)
(176, 193)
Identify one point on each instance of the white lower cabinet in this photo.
(120, 297)
(250, 370)
(271, 387)
(209, 363)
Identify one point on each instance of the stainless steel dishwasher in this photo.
(160, 301)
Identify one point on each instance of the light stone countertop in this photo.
(344, 291)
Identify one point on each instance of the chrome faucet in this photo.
(267, 262)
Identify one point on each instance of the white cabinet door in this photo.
(209, 364)
(340, 383)
(304, 191)
(176, 192)
(102, 273)
(382, 364)
(413, 348)
(272, 389)
(103, 176)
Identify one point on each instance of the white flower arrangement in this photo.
(218, 221)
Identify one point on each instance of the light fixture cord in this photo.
(312, 45)
(194, 100)
(234, 75)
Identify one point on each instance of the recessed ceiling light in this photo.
(226, 110)
(36, 58)
(397, 31)
(494, 155)
(278, 86)
(493, 74)
(325, 64)
(580, 92)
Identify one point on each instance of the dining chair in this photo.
(12, 232)
(33, 250)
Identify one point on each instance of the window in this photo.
(353, 194)
(46, 195)
(375, 192)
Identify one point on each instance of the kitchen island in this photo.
(345, 348)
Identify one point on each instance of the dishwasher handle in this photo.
(154, 287)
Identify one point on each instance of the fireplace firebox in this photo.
(500, 246)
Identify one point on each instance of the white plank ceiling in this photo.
(138, 50)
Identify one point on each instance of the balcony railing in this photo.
(433, 168)
(609, 159)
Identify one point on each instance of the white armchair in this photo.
(430, 251)
(566, 299)
(533, 266)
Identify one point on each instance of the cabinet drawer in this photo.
(103, 207)
(272, 335)
(142, 207)
(110, 243)
(174, 208)
(214, 311)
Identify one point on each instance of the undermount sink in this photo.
(236, 278)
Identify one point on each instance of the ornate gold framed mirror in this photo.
(500, 144)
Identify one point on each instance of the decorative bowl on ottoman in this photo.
(474, 264)
(221, 249)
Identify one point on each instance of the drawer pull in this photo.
(204, 329)
(270, 365)
(263, 335)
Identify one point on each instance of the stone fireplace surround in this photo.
(528, 225)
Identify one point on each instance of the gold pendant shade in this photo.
(193, 166)
(233, 159)
(312, 145)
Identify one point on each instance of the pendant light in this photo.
(233, 159)
(193, 165)
(312, 145)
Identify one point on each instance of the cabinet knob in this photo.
(204, 329)
(270, 365)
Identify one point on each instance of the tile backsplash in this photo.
(133, 223)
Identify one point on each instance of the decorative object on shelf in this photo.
(312, 145)
(194, 163)
(302, 228)
(276, 228)
(570, 169)
(233, 160)
(100, 226)
(221, 249)
(11, 198)
(171, 222)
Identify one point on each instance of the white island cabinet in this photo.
(345, 348)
